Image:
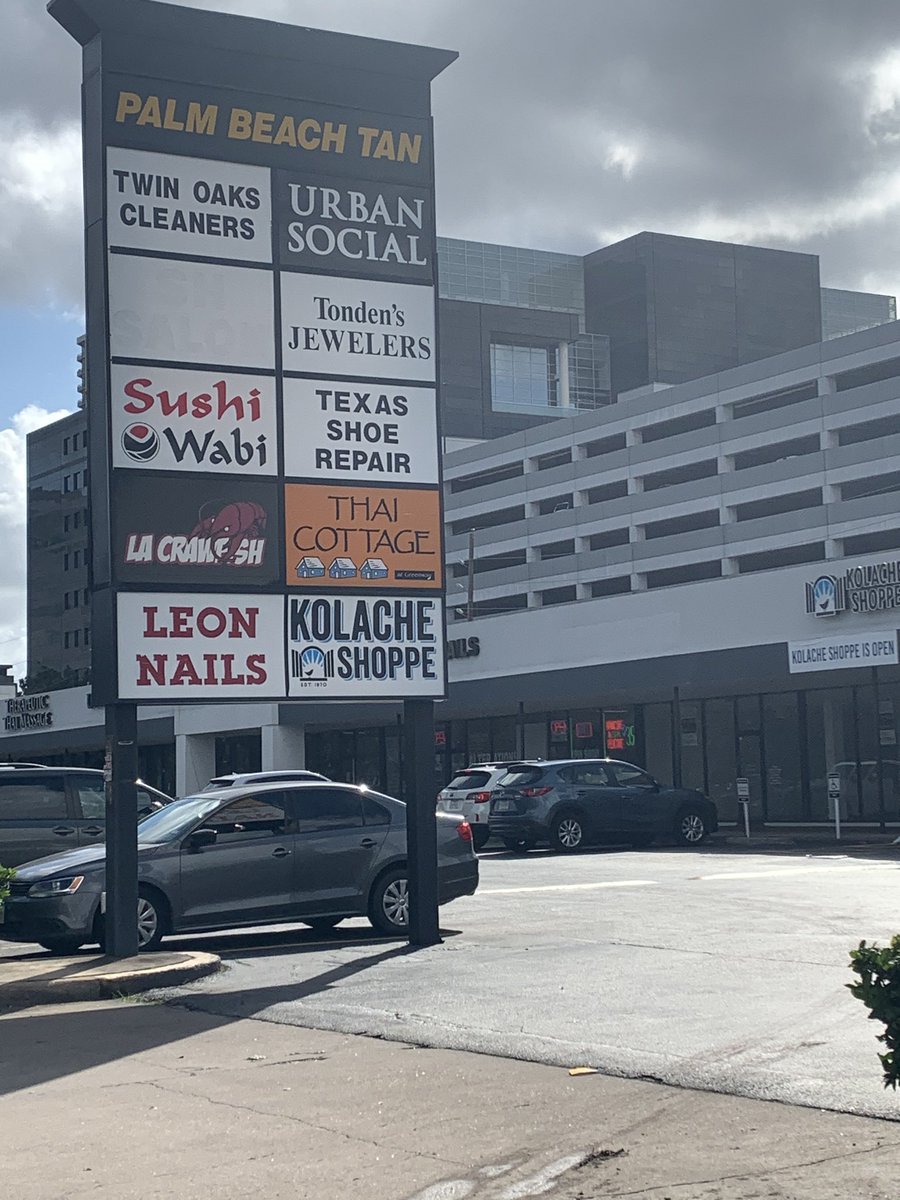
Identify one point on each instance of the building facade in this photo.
(704, 580)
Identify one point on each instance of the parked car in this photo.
(303, 852)
(469, 793)
(47, 809)
(226, 781)
(572, 802)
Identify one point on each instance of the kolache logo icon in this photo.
(826, 596)
(140, 442)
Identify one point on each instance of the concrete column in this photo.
(729, 566)
(633, 437)
(638, 582)
(563, 396)
(827, 385)
(725, 464)
(283, 747)
(834, 548)
(195, 761)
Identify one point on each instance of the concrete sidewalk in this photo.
(45, 979)
(143, 1100)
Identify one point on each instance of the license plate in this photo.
(504, 806)
(453, 805)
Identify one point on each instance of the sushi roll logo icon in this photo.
(140, 442)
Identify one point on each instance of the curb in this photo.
(107, 986)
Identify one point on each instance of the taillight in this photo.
(532, 792)
(464, 829)
(479, 797)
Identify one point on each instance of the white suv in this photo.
(469, 793)
(233, 780)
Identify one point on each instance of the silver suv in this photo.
(469, 793)
(570, 803)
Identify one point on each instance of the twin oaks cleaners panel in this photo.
(273, 481)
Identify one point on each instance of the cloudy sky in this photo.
(563, 125)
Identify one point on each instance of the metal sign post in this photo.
(421, 821)
(834, 801)
(743, 795)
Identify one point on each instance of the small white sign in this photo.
(365, 646)
(358, 327)
(165, 310)
(373, 433)
(200, 646)
(171, 419)
(743, 789)
(846, 650)
(188, 205)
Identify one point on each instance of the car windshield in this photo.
(470, 779)
(173, 822)
(520, 777)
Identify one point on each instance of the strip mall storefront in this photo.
(779, 678)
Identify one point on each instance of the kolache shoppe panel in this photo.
(362, 538)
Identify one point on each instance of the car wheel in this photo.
(322, 924)
(389, 902)
(567, 832)
(518, 845)
(62, 945)
(151, 920)
(690, 827)
(480, 835)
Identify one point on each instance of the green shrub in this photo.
(6, 874)
(878, 969)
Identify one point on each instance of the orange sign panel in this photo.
(362, 537)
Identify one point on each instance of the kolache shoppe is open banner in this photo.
(261, 354)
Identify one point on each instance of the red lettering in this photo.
(150, 629)
(228, 677)
(184, 672)
(210, 660)
(256, 668)
(211, 622)
(154, 672)
(180, 615)
(243, 624)
(143, 400)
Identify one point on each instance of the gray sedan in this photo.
(308, 852)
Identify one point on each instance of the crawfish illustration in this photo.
(232, 522)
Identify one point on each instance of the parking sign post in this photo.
(121, 932)
(743, 795)
(834, 801)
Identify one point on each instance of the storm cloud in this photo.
(564, 126)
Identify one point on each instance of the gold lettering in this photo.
(409, 147)
(286, 134)
(334, 138)
(262, 126)
(303, 138)
(368, 135)
(240, 125)
(150, 113)
(385, 147)
(129, 102)
(202, 120)
(169, 121)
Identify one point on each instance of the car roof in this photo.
(567, 762)
(275, 785)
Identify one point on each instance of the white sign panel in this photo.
(187, 312)
(848, 650)
(188, 205)
(171, 419)
(371, 433)
(200, 646)
(363, 646)
(358, 327)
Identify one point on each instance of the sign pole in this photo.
(743, 796)
(834, 798)
(421, 821)
(121, 934)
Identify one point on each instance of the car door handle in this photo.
(280, 852)
(93, 831)
(62, 830)
(368, 843)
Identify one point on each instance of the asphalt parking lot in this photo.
(704, 969)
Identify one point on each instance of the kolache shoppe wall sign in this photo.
(262, 349)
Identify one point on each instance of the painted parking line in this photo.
(785, 872)
(568, 887)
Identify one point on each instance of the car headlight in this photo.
(56, 887)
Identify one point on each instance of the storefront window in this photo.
(240, 754)
(535, 739)
(504, 740)
(875, 731)
(587, 733)
(781, 729)
(831, 742)
(691, 736)
(558, 729)
(479, 732)
(620, 734)
(658, 741)
(721, 763)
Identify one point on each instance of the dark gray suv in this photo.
(573, 802)
(307, 852)
(47, 809)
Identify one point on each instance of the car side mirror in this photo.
(200, 838)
